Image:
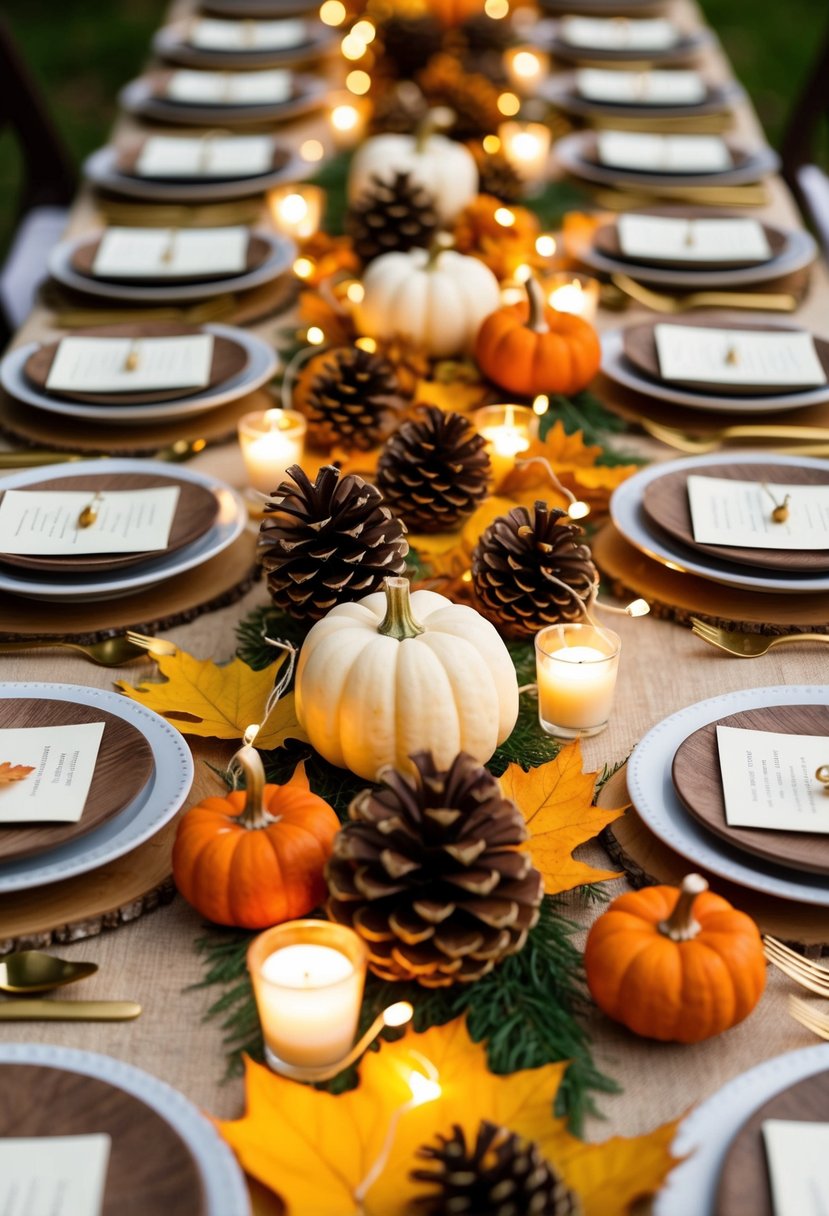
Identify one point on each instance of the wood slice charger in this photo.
(83, 261)
(744, 1187)
(150, 1167)
(123, 767)
(606, 240)
(229, 359)
(697, 781)
(195, 513)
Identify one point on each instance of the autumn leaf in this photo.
(575, 465)
(455, 396)
(14, 772)
(556, 800)
(200, 698)
(328, 1153)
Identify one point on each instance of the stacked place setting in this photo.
(640, 42)
(657, 100)
(215, 42)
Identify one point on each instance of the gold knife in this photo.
(68, 1011)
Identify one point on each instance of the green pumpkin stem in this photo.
(398, 623)
(680, 925)
(247, 759)
(536, 321)
(436, 119)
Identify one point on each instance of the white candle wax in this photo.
(526, 145)
(505, 443)
(575, 686)
(309, 1004)
(271, 443)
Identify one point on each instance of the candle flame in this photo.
(315, 336)
(541, 404)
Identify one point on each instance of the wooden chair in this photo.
(807, 180)
(48, 185)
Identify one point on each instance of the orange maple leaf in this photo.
(556, 800)
(14, 772)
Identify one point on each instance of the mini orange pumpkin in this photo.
(529, 348)
(256, 857)
(677, 966)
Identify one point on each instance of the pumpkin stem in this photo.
(440, 243)
(434, 120)
(536, 321)
(398, 623)
(249, 761)
(680, 925)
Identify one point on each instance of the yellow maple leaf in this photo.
(200, 698)
(14, 772)
(556, 800)
(455, 396)
(353, 1154)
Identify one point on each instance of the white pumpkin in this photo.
(395, 674)
(445, 168)
(437, 299)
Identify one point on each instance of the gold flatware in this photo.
(213, 215)
(803, 1012)
(214, 309)
(706, 196)
(656, 300)
(698, 445)
(37, 971)
(177, 452)
(68, 1011)
(153, 646)
(112, 652)
(748, 645)
(89, 514)
(802, 970)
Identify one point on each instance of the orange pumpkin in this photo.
(256, 857)
(529, 348)
(677, 966)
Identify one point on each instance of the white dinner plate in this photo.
(139, 98)
(260, 368)
(105, 585)
(569, 152)
(560, 90)
(652, 793)
(800, 251)
(688, 45)
(225, 1192)
(705, 1136)
(171, 43)
(618, 368)
(280, 259)
(630, 519)
(152, 808)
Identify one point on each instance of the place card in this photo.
(692, 240)
(214, 34)
(738, 514)
(738, 356)
(208, 156)
(159, 253)
(53, 1175)
(618, 34)
(62, 760)
(44, 523)
(131, 365)
(796, 1154)
(663, 153)
(230, 88)
(641, 88)
(769, 780)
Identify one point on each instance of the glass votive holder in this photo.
(271, 441)
(508, 430)
(526, 145)
(526, 66)
(576, 667)
(348, 117)
(308, 978)
(296, 210)
(573, 293)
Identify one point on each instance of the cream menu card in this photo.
(739, 513)
(160, 253)
(131, 365)
(53, 1175)
(45, 522)
(692, 240)
(738, 356)
(62, 760)
(172, 156)
(676, 154)
(797, 1154)
(769, 780)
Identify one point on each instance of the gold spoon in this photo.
(36, 971)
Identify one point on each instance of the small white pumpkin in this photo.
(438, 299)
(397, 673)
(445, 168)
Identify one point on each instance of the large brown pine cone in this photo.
(350, 397)
(392, 216)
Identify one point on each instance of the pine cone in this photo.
(502, 1175)
(529, 572)
(433, 471)
(350, 397)
(409, 43)
(410, 362)
(472, 98)
(327, 543)
(497, 177)
(399, 110)
(392, 216)
(429, 874)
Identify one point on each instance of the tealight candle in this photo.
(574, 293)
(576, 667)
(271, 441)
(296, 210)
(526, 66)
(508, 431)
(526, 145)
(348, 116)
(308, 978)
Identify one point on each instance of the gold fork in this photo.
(802, 970)
(748, 645)
(655, 300)
(811, 1018)
(696, 445)
(155, 647)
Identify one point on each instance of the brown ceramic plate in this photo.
(128, 154)
(150, 1168)
(639, 344)
(606, 240)
(665, 502)
(84, 255)
(229, 358)
(697, 781)
(745, 1187)
(590, 152)
(195, 513)
(124, 766)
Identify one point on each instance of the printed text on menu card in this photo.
(53, 1175)
(124, 365)
(738, 513)
(692, 240)
(62, 759)
(769, 780)
(160, 253)
(738, 356)
(43, 523)
(796, 1153)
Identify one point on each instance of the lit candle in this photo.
(296, 210)
(526, 67)
(526, 145)
(271, 441)
(576, 666)
(574, 293)
(308, 978)
(508, 431)
(348, 115)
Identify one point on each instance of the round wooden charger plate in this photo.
(640, 348)
(590, 153)
(679, 596)
(647, 861)
(744, 1187)
(665, 502)
(84, 256)
(229, 358)
(150, 1168)
(606, 240)
(123, 767)
(196, 511)
(697, 781)
(129, 153)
